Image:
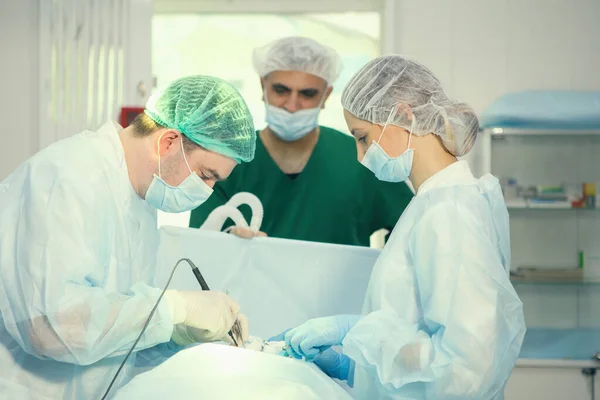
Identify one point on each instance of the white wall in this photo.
(263, 6)
(481, 49)
(21, 68)
(18, 82)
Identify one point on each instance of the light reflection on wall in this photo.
(221, 45)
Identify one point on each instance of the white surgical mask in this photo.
(190, 194)
(386, 168)
(290, 127)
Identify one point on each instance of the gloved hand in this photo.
(317, 335)
(246, 233)
(332, 363)
(280, 337)
(336, 365)
(203, 316)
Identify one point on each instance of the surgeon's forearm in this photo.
(74, 336)
(448, 368)
(44, 341)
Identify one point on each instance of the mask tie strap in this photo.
(158, 151)
(389, 118)
(412, 128)
(322, 101)
(184, 157)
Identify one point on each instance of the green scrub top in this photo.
(333, 200)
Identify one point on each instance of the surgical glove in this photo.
(316, 335)
(246, 233)
(203, 316)
(280, 337)
(336, 365)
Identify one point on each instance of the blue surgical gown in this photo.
(77, 255)
(442, 320)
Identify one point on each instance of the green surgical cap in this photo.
(208, 111)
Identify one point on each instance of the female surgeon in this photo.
(440, 318)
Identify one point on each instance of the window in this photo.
(222, 44)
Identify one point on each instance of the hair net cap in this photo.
(298, 54)
(395, 90)
(208, 111)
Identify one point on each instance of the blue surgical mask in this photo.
(190, 194)
(386, 168)
(290, 127)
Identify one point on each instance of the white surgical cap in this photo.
(388, 88)
(297, 54)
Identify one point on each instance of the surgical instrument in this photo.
(236, 326)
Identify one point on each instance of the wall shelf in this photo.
(552, 282)
(550, 207)
(497, 132)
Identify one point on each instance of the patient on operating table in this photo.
(257, 344)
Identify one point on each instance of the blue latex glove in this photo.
(317, 335)
(332, 363)
(280, 337)
(336, 365)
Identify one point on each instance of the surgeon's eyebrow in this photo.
(280, 88)
(308, 92)
(214, 175)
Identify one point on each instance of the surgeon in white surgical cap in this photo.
(440, 319)
(78, 241)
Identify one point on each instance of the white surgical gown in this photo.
(442, 320)
(77, 254)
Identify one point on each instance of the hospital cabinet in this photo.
(555, 243)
